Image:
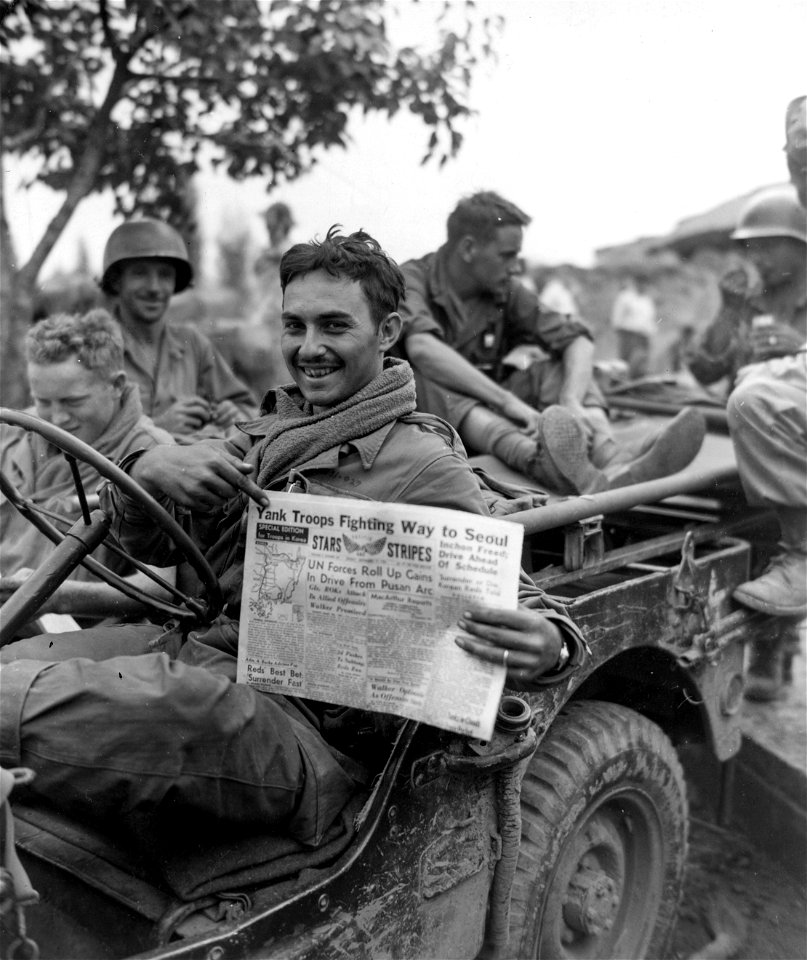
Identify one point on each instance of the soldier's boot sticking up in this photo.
(556, 460)
(560, 457)
(781, 590)
(670, 450)
(621, 451)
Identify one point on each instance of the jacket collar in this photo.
(440, 287)
(367, 446)
(171, 340)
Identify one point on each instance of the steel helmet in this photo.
(774, 212)
(136, 239)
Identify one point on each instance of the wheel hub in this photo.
(592, 901)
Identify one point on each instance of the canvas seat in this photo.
(174, 866)
(186, 869)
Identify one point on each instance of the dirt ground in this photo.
(734, 888)
(732, 885)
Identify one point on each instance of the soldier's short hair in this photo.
(357, 257)
(480, 215)
(93, 338)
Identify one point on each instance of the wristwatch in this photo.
(563, 657)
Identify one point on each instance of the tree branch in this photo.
(118, 55)
(84, 175)
(186, 79)
(19, 144)
(146, 35)
(10, 6)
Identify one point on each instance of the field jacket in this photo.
(188, 365)
(752, 325)
(483, 329)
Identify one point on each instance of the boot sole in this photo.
(564, 443)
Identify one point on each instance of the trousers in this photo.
(767, 417)
(539, 386)
(112, 726)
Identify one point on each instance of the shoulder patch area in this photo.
(428, 423)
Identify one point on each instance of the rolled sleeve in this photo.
(135, 530)
(557, 330)
(528, 323)
(415, 310)
(534, 598)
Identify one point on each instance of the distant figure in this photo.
(680, 348)
(185, 385)
(253, 344)
(256, 352)
(279, 221)
(796, 146)
(556, 296)
(633, 318)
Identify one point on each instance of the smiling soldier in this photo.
(187, 737)
(185, 385)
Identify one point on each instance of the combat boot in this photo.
(561, 460)
(781, 590)
(669, 451)
(622, 451)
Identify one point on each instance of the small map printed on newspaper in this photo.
(356, 603)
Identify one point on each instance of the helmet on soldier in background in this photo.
(138, 239)
(773, 212)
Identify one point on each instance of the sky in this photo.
(605, 120)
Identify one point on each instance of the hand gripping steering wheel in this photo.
(75, 540)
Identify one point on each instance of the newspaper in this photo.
(356, 603)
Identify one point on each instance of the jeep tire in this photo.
(604, 839)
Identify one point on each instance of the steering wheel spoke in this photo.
(54, 526)
(81, 539)
(79, 485)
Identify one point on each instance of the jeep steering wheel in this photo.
(76, 539)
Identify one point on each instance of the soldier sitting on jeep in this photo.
(155, 738)
(758, 340)
(463, 315)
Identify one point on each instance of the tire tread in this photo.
(583, 735)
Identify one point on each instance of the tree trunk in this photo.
(16, 305)
(19, 281)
